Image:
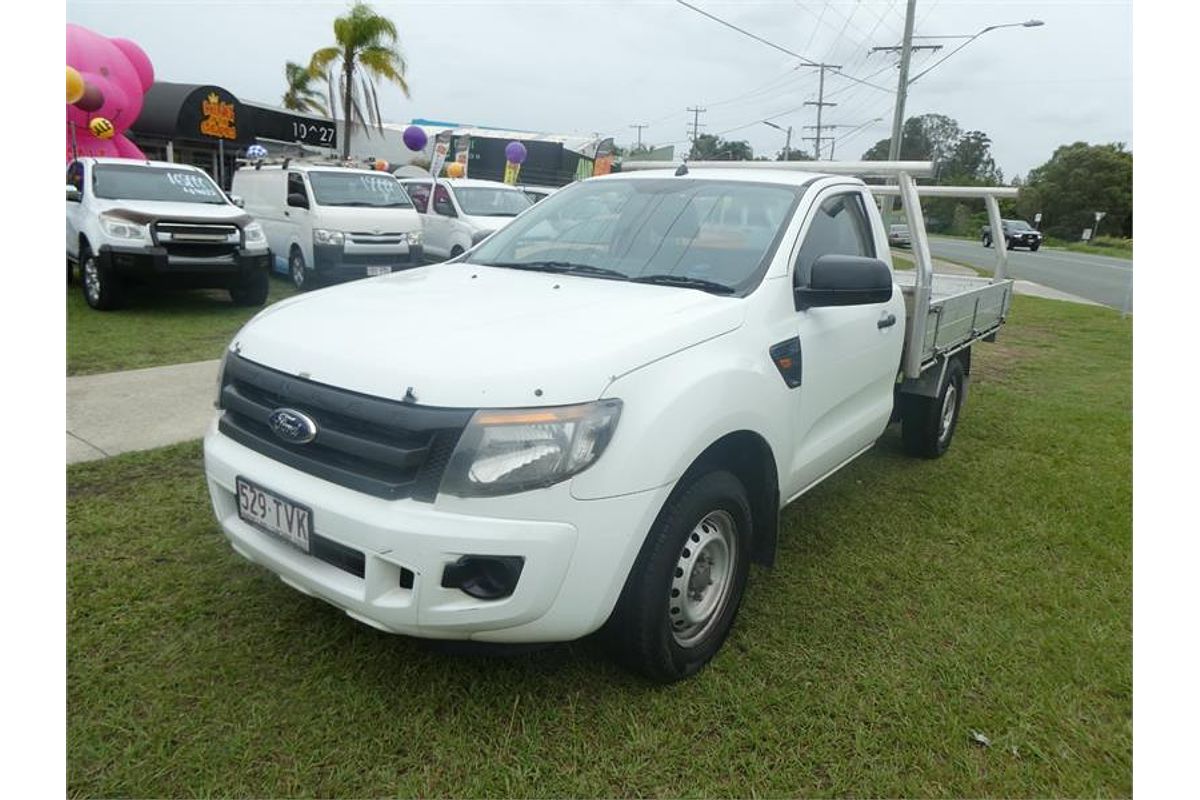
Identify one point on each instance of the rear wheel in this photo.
(987, 241)
(928, 423)
(253, 292)
(683, 593)
(101, 288)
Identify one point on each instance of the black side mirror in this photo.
(297, 200)
(845, 281)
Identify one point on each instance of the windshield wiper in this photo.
(565, 267)
(685, 282)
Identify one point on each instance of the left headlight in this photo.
(255, 234)
(415, 238)
(512, 450)
(118, 228)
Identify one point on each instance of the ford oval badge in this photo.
(292, 426)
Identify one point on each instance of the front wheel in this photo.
(253, 292)
(456, 251)
(987, 241)
(101, 288)
(1033, 248)
(297, 270)
(683, 593)
(928, 423)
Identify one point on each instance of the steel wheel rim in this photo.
(297, 271)
(949, 406)
(703, 578)
(91, 279)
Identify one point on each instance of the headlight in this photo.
(254, 234)
(221, 377)
(415, 238)
(117, 228)
(322, 236)
(512, 450)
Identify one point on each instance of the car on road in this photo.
(1017, 233)
(592, 421)
(458, 213)
(159, 224)
(898, 236)
(328, 223)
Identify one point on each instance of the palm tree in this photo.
(367, 47)
(300, 95)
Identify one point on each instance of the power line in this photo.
(745, 32)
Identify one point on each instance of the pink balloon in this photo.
(116, 75)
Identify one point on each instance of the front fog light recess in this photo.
(512, 450)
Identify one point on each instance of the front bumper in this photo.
(338, 262)
(155, 265)
(577, 552)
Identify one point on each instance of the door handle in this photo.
(886, 322)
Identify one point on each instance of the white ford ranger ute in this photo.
(592, 419)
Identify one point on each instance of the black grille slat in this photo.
(382, 447)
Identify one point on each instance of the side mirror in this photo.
(237, 200)
(73, 194)
(445, 208)
(845, 281)
(297, 200)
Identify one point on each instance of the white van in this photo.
(463, 212)
(326, 223)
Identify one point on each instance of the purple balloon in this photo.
(515, 152)
(415, 138)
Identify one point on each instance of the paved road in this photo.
(1105, 280)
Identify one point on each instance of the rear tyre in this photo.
(987, 241)
(683, 593)
(928, 423)
(298, 271)
(101, 288)
(253, 292)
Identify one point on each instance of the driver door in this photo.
(849, 354)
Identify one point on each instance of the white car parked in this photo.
(458, 213)
(594, 418)
(159, 224)
(326, 223)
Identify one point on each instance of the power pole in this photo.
(901, 94)
(696, 126)
(639, 130)
(820, 103)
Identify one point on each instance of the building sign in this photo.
(281, 126)
(217, 119)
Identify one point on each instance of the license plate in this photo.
(373, 271)
(274, 514)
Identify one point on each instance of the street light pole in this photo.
(787, 145)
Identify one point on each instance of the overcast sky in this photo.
(582, 66)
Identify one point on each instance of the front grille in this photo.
(381, 447)
(362, 237)
(198, 240)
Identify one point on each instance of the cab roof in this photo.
(780, 176)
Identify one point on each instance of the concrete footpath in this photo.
(140, 409)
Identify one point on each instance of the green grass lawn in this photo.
(913, 602)
(154, 328)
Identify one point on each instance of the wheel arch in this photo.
(748, 456)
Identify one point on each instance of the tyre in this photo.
(928, 423)
(1033, 248)
(456, 251)
(987, 241)
(101, 288)
(298, 270)
(253, 292)
(683, 593)
(70, 272)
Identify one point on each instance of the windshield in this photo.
(1018, 225)
(368, 189)
(484, 201)
(685, 230)
(135, 182)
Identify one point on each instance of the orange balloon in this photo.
(381, 166)
(74, 85)
(454, 170)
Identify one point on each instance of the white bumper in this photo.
(577, 552)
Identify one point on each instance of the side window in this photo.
(295, 185)
(419, 194)
(75, 175)
(840, 227)
(442, 203)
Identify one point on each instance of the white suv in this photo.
(151, 222)
(458, 213)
